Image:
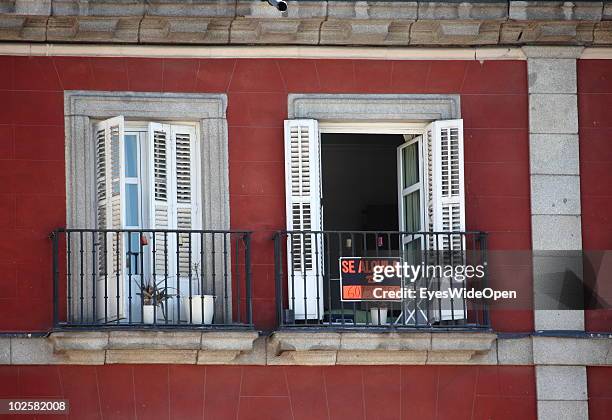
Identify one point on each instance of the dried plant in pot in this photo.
(153, 295)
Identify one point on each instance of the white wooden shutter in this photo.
(303, 207)
(162, 216)
(445, 201)
(109, 146)
(444, 178)
(185, 196)
(175, 205)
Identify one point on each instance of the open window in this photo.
(371, 194)
(147, 178)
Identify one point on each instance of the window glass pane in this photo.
(411, 165)
(131, 155)
(412, 251)
(131, 205)
(412, 211)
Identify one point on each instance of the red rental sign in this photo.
(357, 281)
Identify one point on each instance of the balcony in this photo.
(151, 279)
(312, 294)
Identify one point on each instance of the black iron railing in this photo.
(152, 278)
(327, 279)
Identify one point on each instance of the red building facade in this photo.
(494, 107)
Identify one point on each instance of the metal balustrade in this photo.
(152, 278)
(310, 292)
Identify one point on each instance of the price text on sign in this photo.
(356, 278)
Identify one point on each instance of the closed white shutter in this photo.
(445, 202)
(175, 205)
(109, 146)
(303, 207)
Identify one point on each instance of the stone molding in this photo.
(369, 107)
(206, 22)
(305, 348)
(369, 348)
(185, 347)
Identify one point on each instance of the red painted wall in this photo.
(595, 123)
(599, 384)
(283, 393)
(32, 184)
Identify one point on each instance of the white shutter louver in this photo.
(446, 201)
(110, 246)
(185, 185)
(303, 192)
(175, 206)
(161, 213)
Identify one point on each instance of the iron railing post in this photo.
(54, 239)
(278, 280)
(482, 236)
(249, 280)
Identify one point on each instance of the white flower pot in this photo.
(374, 315)
(147, 314)
(197, 303)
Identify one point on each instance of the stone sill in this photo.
(185, 347)
(304, 348)
(375, 348)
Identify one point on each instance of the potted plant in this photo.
(201, 307)
(152, 295)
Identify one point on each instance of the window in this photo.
(430, 198)
(147, 177)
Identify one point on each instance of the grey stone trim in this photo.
(145, 105)
(369, 348)
(563, 410)
(83, 107)
(5, 351)
(184, 347)
(205, 22)
(553, 113)
(555, 194)
(556, 232)
(353, 107)
(561, 383)
(573, 351)
(309, 348)
(553, 51)
(554, 154)
(554, 167)
(514, 351)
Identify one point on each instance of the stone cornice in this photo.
(368, 23)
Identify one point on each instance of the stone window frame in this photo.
(82, 108)
(374, 107)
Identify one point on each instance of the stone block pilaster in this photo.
(556, 220)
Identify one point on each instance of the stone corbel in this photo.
(350, 348)
(183, 347)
